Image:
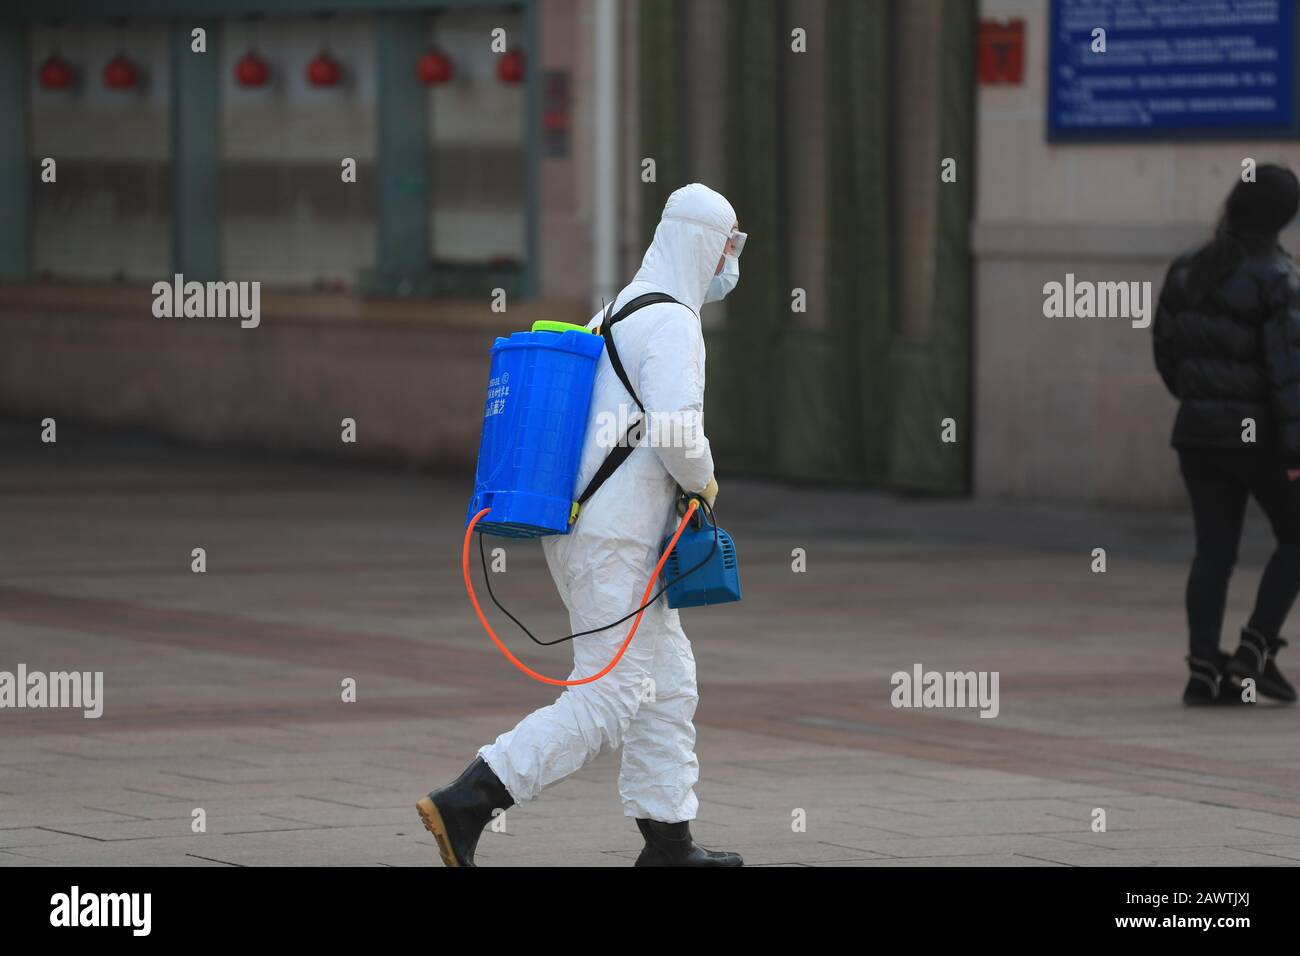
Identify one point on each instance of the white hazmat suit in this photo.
(601, 567)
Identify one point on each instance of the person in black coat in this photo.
(1227, 344)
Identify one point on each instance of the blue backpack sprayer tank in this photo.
(525, 484)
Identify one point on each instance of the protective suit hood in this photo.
(687, 245)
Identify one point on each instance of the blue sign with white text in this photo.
(1197, 69)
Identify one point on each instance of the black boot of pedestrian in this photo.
(1256, 658)
(670, 844)
(457, 813)
(1210, 685)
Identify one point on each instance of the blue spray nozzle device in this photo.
(703, 568)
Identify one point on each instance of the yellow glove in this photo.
(709, 494)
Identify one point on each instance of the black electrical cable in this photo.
(487, 577)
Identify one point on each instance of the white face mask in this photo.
(724, 281)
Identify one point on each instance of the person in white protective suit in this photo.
(601, 567)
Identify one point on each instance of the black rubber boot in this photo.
(1210, 684)
(457, 814)
(1256, 658)
(670, 844)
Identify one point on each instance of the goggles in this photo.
(735, 240)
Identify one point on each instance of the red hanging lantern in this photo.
(56, 73)
(510, 67)
(252, 70)
(434, 68)
(120, 74)
(323, 70)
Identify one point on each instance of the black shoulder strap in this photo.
(625, 447)
(607, 332)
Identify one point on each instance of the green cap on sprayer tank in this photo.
(550, 325)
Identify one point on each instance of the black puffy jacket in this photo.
(1234, 355)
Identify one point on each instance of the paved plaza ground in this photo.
(222, 689)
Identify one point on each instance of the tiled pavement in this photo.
(223, 689)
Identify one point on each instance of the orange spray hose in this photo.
(469, 587)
